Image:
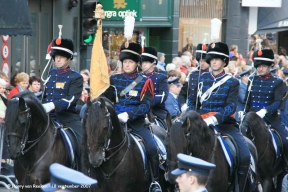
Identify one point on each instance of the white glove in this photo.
(123, 117)
(48, 107)
(211, 121)
(241, 115)
(261, 113)
(184, 108)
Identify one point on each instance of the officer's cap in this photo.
(263, 57)
(150, 55)
(174, 81)
(62, 47)
(245, 73)
(200, 52)
(218, 51)
(285, 71)
(194, 165)
(68, 179)
(130, 51)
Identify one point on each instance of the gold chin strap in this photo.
(127, 50)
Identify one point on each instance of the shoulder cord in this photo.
(249, 89)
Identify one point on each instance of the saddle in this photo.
(71, 143)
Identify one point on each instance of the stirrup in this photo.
(156, 184)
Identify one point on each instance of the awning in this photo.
(272, 19)
(14, 18)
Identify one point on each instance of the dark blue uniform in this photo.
(267, 92)
(135, 106)
(192, 84)
(64, 88)
(160, 93)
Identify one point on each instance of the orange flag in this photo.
(99, 76)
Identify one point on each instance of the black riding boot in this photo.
(242, 177)
(154, 163)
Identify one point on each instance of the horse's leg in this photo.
(267, 184)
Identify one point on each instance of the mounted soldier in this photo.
(148, 64)
(218, 94)
(63, 87)
(265, 93)
(132, 93)
(193, 78)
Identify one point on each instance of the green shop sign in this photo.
(119, 9)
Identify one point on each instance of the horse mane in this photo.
(200, 133)
(252, 121)
(177, 140)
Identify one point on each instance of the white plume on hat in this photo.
(215, 29)
(129, 27)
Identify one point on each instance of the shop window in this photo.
(112, 40)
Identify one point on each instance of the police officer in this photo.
(218, 98)
(149, 61)
(192, 173)
(63, 87)
(194, 75)
(267, 92)
(132, 94)
(67, 180)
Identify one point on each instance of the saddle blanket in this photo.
(68, 144)
(159, 145)
(275, 143)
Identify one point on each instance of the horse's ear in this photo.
(22, 104)
(186, 125)
(102, 101)
(88, 102)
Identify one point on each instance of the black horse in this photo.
(33, 141)
(268, 167)
(109, 152)
(190, 135)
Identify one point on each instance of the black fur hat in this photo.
(200, 54)
(133, 52)
(264, 57)
(65, 48)
(149, 54)
(218, 50)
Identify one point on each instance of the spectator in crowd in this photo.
(161, 61)
(170, 66)
(186, 63)
(172, 104)
(174, 73)
(21, 84)
(35, 86)
(6, 162)
(178, 62)
(86, 76)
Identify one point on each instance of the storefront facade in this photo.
(156, 20)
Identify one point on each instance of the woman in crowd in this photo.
(21, 82)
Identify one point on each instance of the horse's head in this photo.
(18, 121)
(17, 125)
(176, 142)
(98, 126)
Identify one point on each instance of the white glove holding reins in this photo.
(241, 115)
(48, 106)
(184, 108)
(261, 113)
(123, 117)
(211, 121)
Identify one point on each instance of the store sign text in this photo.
(122, 14)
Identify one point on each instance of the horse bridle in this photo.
(24, 139)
